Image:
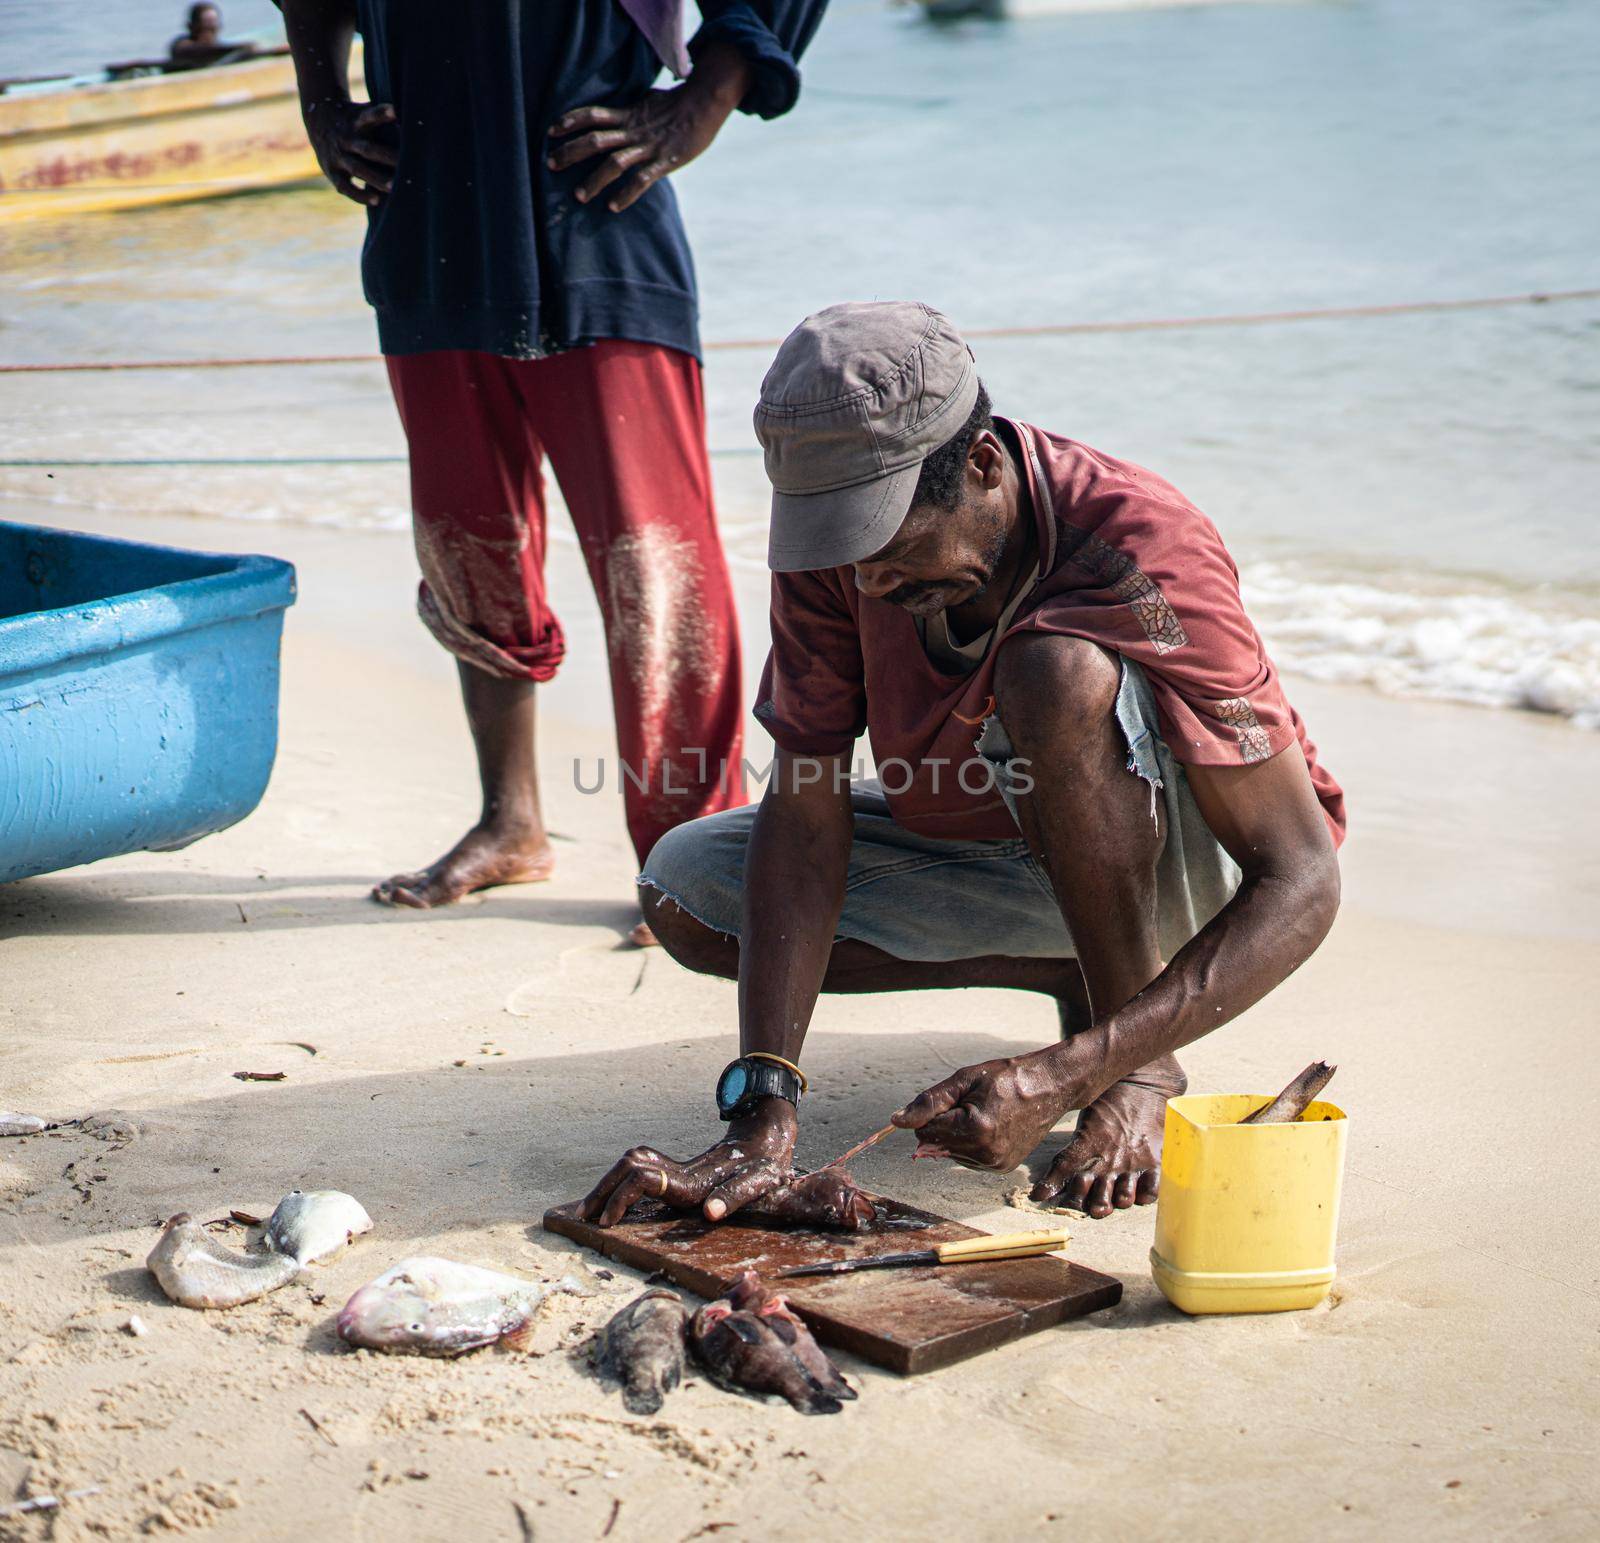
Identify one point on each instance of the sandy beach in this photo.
(476, 1065)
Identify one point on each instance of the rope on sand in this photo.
(1046, 330)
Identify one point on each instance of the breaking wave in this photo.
(1536, 649)
(1454, 640)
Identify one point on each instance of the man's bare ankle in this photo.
(1163, 1075)
(514, 829)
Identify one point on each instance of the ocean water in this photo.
(1412, 499)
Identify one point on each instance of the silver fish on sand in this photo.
(21, 1124)
(311, 1224)
(430, 1306)
(641, 1349)
(195, 1270)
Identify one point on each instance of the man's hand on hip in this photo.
(348, 140)
(656, 135)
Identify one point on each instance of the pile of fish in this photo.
(748, 1340)
(195, 1270)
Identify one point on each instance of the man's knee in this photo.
(1057, 697)
(684, 862)
(693, 944)
(1047, 685)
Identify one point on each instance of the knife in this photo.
(1006, 1245)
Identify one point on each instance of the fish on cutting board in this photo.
(431, 1306)
(195, 1270)
(311, 1224)
(827, 1198)
(641, 1349)
(751, 1339)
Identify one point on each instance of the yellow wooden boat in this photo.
(88, 143)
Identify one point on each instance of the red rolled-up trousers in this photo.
(624, 427)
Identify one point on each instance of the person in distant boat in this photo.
(203, 43)
(1090, 782)
(536, 296)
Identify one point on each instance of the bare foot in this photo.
(1114, 1160)
(643, 937)
(481, 859)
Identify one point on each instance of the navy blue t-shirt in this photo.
(480, 245)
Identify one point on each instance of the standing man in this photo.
(535, 296)
(1091, 783)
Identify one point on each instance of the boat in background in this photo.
(91, 142)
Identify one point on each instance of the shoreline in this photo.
(1411, 634)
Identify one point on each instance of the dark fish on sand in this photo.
(827, 1198)
(197, 1271)
(1293, 1102)
(752, 1339)
(641, 1349)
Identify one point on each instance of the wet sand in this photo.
(1447, 1387)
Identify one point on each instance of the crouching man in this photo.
(1090, 783)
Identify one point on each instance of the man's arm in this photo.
(346, 137)
(743, 59)
(772, 35)
(1268, 819)
(795, 867)
(652, 137)
(794, 876)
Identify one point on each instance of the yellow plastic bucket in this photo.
(1248, 1214)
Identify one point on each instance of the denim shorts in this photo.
(922, 897)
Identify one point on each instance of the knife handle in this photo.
(1005, 1245)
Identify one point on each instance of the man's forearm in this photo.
(722, 76)
(320, 33)
(794, 878)
(1263, 935)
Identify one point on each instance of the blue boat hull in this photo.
(138, 694)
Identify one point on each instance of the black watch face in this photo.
(734, 1085)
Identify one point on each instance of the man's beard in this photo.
(906, 595)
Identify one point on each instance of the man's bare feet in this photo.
(1114, 1160)
(643, 937)
(482, 858)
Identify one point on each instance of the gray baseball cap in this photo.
(858, 397)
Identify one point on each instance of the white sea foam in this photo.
(1449, 639)
(1531, 648)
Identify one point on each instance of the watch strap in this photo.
(764, 1079)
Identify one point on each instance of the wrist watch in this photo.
(747, 1079)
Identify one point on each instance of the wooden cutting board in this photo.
(910, 1318)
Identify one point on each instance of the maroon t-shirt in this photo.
(1125, 561)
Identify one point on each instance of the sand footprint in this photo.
(591, 973)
